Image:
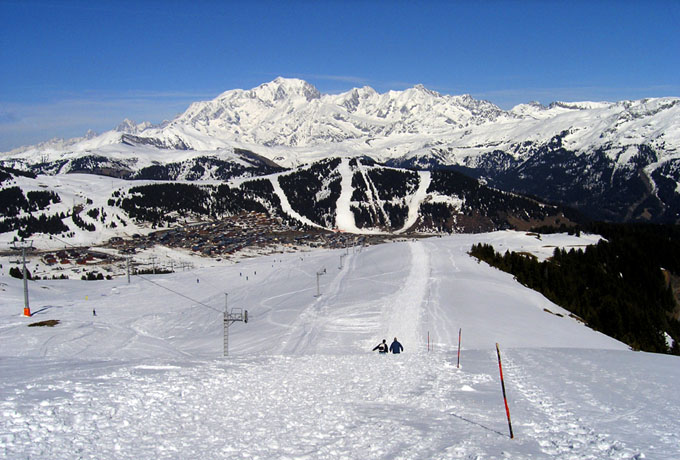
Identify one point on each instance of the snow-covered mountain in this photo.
(286, 113)
(293, 113)
(617, 160)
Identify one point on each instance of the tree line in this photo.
(622, 286)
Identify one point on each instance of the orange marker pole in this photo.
(505, 399)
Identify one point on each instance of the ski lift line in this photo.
(180, 294)
(65, 242)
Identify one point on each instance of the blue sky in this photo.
(70, 66)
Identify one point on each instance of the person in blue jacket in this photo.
(396, 347)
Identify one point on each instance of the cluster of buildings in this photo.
(228, 236)
(75, 256)
(252, 232)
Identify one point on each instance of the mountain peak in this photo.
(420, 87)
(126, 126)
(282, 88)
(90, 134)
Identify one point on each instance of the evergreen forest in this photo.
(623, 286)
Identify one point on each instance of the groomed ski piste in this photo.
(146, 377)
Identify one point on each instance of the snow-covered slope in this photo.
(145, 377)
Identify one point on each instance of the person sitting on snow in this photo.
(396, 347)
(381, 347)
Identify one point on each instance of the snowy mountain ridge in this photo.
(292, 113)
(612, 160)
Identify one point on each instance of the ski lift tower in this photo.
(24, 246)
(230, 317)
(318, 275)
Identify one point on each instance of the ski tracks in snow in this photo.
(443, 332)
(402, 312)
(330, 321)
(548, 420)
(312, 331)
(365, 407)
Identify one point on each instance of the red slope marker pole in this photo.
(505, 399)
(460, 331)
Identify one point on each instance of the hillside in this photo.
(146, 377)
(337, 194)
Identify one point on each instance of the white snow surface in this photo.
(145, 377)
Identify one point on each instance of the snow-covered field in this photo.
(145, 377)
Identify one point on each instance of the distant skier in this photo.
(396, 347)
(381, 347)
(94, 313)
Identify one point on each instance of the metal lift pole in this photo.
(24, 246)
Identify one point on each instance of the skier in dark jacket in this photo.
(396, 347)
(381, 347)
